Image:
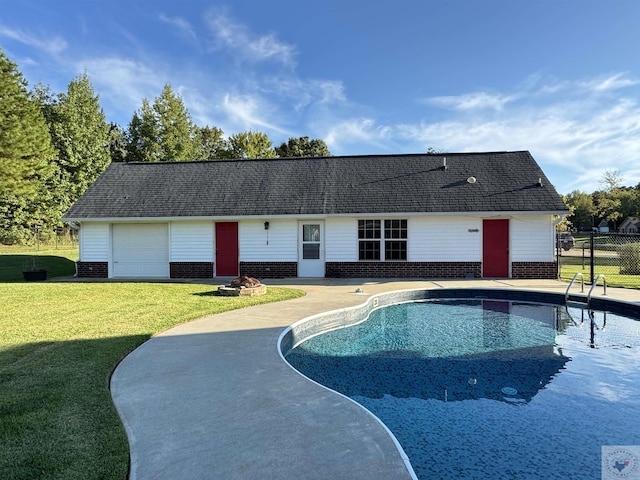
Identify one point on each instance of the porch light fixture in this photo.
(471, 180)
(266, 225)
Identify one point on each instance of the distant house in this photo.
(603, 226)
(423, 215)
(630, 225)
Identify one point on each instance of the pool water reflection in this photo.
(488, 389)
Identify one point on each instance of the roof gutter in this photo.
(487, 214)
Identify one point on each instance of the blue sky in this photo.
(559, 78)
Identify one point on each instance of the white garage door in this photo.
(140, 250)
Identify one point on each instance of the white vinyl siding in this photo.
(532, 238)
(430, 239)
(94, 242)
(140, 250)
(341, 239)
(192, 241)
(445, 239)
(277, 244)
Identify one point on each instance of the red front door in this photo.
(227, 249)
(495, 248)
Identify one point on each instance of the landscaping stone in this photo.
(226, 291)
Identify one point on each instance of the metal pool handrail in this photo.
(566, 294)
(595, 282)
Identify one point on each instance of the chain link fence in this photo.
(614, 255)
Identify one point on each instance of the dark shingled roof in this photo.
(372, 184)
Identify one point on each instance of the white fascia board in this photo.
(448, 214)
(184, 219)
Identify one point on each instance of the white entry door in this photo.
(311, 249)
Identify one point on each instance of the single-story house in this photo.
(454, 215)
(603, 226)
(630, 225)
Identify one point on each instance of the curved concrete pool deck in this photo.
(213, 399)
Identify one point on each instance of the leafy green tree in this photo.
(607, 207)
(143, 136)
(210, 143)
(162, 132)
(303, 147)
(25, 144)
(48, 103)
(250, 145)
(629, 201)
(176, 130)
(583, 210)
(117, 143)
(565, 225)
(80, 134)
(25, 153)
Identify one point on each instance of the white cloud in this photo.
(472, 101)
(182, 25)
(123, 82)
(304, 94)
(357, 131)
(52, 45)
(244, 44)
(608, 83)
(249, 112)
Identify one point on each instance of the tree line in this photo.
(53, 146)
(613, 203)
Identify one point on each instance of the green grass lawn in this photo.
(59, 345)
(607, 266)
(607, 262)
(58, 262)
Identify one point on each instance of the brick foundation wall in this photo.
(531, 270)
(191, 269)
(403, 269)
(93, 269)
(269, 269)
(521, 270)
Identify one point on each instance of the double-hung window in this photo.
(382, 239)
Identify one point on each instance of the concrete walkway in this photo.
(212, 399)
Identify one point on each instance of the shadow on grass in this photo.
(12, 266)
(212, 293)
(57, 419)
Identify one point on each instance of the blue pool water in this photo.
(489, 389)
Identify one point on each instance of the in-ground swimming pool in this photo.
(485, 388)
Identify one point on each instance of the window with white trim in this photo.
(378, 243)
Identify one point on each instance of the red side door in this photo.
(226, 249)
(495, 248)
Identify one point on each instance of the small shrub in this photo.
(629, 255)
